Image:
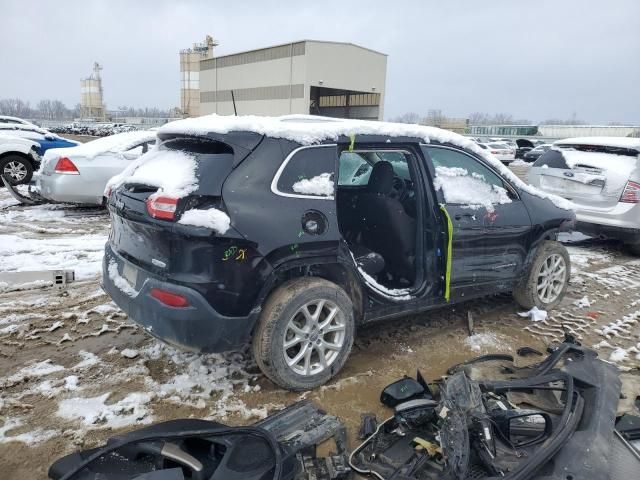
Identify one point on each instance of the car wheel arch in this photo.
(336, 272)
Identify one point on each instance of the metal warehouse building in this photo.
(306, 77)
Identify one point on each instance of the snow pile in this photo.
(131, 410)
(210, 218)
(459, 187)
(618, 355)
(173, 172)
(535, 314)
(321, 185)
(118, 143)
(308, 130)
(119, 281)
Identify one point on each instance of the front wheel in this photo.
(16, 169)
(304, 334)
(547, 279)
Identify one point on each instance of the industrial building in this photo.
(91, 96)
(190, 75)
(306, 77)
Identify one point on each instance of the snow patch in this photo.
(94, 411)
(583, 302)
(479, 341)
(119, 281)
(173, 172)
(535, 314)
(460, 187)
(36, 370)
(321, 185)
(33, 437)
(211, 218)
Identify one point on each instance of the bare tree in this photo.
(410, 117)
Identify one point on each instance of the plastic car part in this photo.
(279, 447)
(405, 389)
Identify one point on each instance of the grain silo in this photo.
(190, 75)
(91, 101)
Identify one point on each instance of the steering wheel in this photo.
(398, 189)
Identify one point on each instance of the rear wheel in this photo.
(16, 169)
(304, 334)
(545, 283)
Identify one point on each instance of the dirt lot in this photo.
(73, 370)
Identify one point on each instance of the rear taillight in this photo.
(168, 298)
(66, 166)
(495, 152)
(162, 207)
(631, 193)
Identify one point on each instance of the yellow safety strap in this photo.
(431, 448)
(447, 276)
(353, 141)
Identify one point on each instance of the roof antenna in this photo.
(233, 99)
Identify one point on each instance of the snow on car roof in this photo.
(620, 142)
(118, 143)
(310, 129)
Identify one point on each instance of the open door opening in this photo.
(378, 214)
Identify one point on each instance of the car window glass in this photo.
(354, 169)
(465, 180)
(310, 171)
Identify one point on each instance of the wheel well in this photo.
(336, 273)
(18, 154)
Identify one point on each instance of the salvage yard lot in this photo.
(73, 370)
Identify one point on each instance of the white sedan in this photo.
(502, 151)
(80, 174)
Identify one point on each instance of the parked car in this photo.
(15, 121)
(502, 151)
(18, 159)
(79, 174)
(601, 176)
(287, 234)
(533, 154)
(44, 138)
(523, 146)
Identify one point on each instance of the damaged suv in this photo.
(290, 232)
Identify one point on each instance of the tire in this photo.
(16, 169)
(283, 319)
(530, 292)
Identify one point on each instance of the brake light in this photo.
(495, 152)
(168, 298)
(66, 166)
(162, 207)
(631, 193)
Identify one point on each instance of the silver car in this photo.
(601, 176)
(80, 174)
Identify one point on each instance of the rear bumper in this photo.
(626, 235)
(68, 189)
(198, 327)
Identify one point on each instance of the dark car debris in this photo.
(488, 418)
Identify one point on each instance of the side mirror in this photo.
(130, 155)
(523, 427)
(49, 137)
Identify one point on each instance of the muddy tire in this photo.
(547, 279)
(16, 169)
(304, 334)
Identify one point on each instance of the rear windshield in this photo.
(214, 161)
(551, 159)
(601, 149)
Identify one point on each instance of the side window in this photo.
(354, 169)
(137, 150)
(463, 180)
(310, 171)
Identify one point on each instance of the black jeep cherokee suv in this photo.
(290, 232)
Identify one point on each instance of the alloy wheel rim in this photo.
(551, 278)
(314, 337)
(16, 170)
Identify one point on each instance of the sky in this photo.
(534, 59)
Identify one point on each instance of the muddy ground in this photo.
(73, 370)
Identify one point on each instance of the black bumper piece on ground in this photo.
(198, 327)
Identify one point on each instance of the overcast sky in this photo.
(535, 59)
